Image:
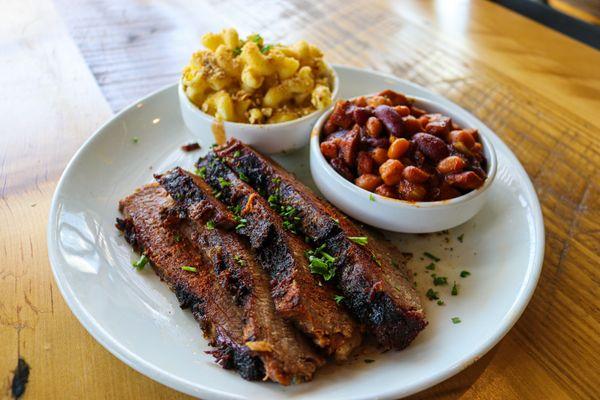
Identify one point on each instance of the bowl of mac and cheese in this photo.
(266, 95)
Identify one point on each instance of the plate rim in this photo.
(94, 328)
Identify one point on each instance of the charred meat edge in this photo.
(296, 292)
(207, 223)
(377, 292)
(220, 319)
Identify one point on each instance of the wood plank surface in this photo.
(65, 65)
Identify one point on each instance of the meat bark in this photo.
(298, 296)
(375, 286)
(244, 328)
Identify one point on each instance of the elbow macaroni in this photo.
(251, 82)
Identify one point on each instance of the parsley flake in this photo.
(454, 291)
(210, 225)
(431, 256)
(432, 294)
(371, 197)
(464, 274)
(456, 320)
(461, 237)
(224, 182)
(188, 268)
(141, 263)
(440, 302)
(440, 280)
(430, 267)
(362, 240)
(135, 139)
(338, 298)
(321, 262)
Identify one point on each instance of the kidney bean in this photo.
(411, 191)
(462, 148)
(368, 141)
(451, 165)
(433, 147)
(462, 136)
(365, 163)
(465, 180)
(379, 155)
(340, 166)
(395, 97)
(445, 192)
(439, 127)
(349, 145)
(391, 120)
(404, 111)
(424, 120)
(477, 148)
(391, 172)
(412, 125)
(368, 181)
(374, 127)
(398, 148)
(362, 115)
(415, 174)
(340, 116)
(473, 132)
(329, 149)
(387, 191)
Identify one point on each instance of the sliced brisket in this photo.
(220, 319)
(297, 294)
(374, 285)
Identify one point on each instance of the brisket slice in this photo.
(287, 355)
(376, 287)
(297, 294)
(220, 319)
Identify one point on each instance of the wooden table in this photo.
(65, 68)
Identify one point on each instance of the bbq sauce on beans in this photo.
(386, 145)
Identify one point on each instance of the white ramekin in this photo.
(267, 138)
(399, 215)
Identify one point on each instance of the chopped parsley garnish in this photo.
(243, 176)
(362, 240)
(141, 263)
(210, 224)
(440, 280)
(374, 258)
(212, 146)
(177, 238)
(265, 49)
(224, 182)
(276, 180)
(241, 222)
(431, 256)
(237, 153)
(430, 267)
(188, 268)
(321, 262)
(456, 320)
(338, 298)
(440, 302)
(201, 172)
(239, 260)
(464, 274)
(237, 51)
(337, 221)
(135, 139)
(432, 294)
(288, 213)
(371, 197)
(256, 38)
(369, 361)
(454, 291)
(217, 194)
(461, 237)
(396, 264)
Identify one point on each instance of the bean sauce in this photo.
(386, 145)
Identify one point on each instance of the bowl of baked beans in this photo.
(401, 163)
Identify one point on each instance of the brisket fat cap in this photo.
(379, 293)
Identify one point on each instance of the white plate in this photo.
(137, 318)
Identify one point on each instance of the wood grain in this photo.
(539, 90)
